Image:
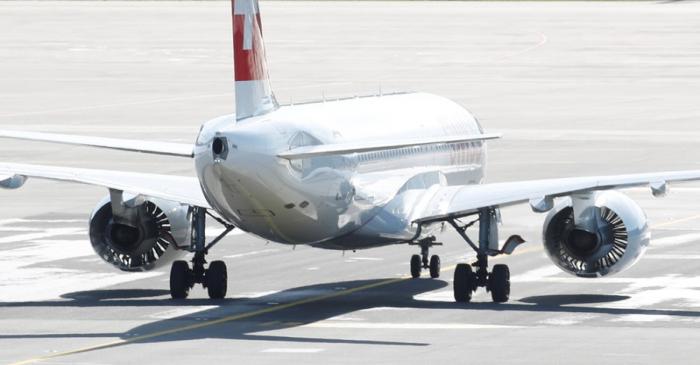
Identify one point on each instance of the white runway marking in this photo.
(671, 257)
(292, 351)
(345, 318)
(24, 278)
(19, 229)
(181, 312)
(674, 240)
(413, 326)
(4, 222)
(537, 274)
(683, 292)
(678, 291)
(445, 296)
(678, 229)
(215, 231)
(376, 309)
(568, 320)
(51, 232)
(438, 296)
(251, 253)
(41, 251)
(642, 318)
(259, 294)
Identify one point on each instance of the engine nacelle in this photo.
(145, 237)
(596, 234)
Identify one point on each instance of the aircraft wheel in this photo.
(180, 280)
(216, 279)
(416, 266)
(499, 283)
(435, 266)
(464, 283)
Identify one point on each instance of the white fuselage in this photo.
(344, 201)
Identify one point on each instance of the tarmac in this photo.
(577, 88)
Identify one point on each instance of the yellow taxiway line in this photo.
(681, 220)
(275, 308)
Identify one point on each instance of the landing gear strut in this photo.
(466, 280)
(214, 278)
(419, 262)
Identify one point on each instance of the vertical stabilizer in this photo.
(253, 92)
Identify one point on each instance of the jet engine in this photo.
(596, 234)
(142, 235)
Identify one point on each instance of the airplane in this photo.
(347, 174)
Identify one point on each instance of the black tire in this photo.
(180, 280)
(217, 280)
(499, 283)
(416, 266)
(435, 266)
(463, 284)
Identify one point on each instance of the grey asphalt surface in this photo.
(577, 89)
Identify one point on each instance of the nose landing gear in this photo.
(420, 262)
(214, 278)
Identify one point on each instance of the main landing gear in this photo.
(420, 262)
(214, 278)
(468, 280)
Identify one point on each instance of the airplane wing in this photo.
(457, 201)
(346, 148)
(159, 148)
(176, 188)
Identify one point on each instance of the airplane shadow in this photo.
(233, 320)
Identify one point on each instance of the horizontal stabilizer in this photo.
(347, 148)
(133, 145)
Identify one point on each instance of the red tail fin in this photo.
(253, 92)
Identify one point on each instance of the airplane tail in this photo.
(253, 92)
